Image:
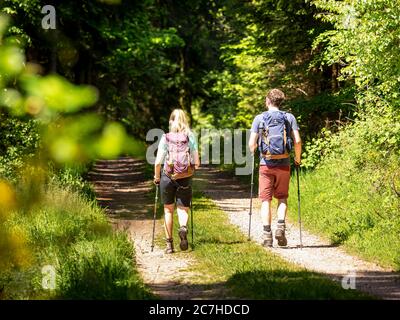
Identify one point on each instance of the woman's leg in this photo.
(168, 220)
(182, 215)
(183, 199)
(183, 219)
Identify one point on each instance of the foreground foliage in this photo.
(71, 234)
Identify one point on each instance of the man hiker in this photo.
(274, 132)
(178, 151)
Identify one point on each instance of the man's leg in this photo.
(281, 193)
(266, 182)
(282, 209)
(266, 216)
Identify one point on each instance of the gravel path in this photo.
(123, 190)
(317, 254)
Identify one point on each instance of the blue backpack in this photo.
(275, 140)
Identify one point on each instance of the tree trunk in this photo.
(185, 97)
(335, 74)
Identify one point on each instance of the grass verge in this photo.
(341, 204)
(72, 235)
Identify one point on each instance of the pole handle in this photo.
(154, 218)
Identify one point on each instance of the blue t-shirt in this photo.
(255, 128)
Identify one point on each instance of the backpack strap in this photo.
(285, 133)
(287, 122)
(288, 127)
(176, 183)
(263, 130)
(275, 156)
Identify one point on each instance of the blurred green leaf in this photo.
(59, 94)
(112, 140)
(64, 150)
(12, 99)
(12, 60)
(4, 21)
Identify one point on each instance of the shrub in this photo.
(72, 177)
(19, 140)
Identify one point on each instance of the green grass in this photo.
(71, 233)
(349, 207)
(225, 256)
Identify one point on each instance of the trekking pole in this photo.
(298, 203)
(191, 220)
(251, 195)
(154, 218)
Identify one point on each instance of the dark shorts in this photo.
(180, 190)
(274, 182)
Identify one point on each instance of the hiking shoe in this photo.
(183, 235)
(170, 246)
(267, 236)
(280, 235)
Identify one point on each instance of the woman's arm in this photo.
(161, 152)
(196, 159)
(194, 148)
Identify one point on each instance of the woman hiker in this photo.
(178, 152)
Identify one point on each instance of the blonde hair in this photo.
(178, 122)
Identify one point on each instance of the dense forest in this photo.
(113, 69)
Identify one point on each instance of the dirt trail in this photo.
(123, 190)
(317, 254)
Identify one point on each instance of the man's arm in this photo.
(253, 142)
(297, 147)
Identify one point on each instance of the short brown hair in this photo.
(276, 97)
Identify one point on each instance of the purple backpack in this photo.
(178, 164)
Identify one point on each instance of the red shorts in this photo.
(273, 181)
